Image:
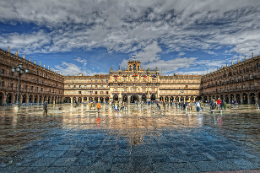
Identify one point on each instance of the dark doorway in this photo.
(124, 98)
(245, 101)
(9, 98)
(144, 98)
(153, 98)
(115, 98)
(252, 98)
(134, 98)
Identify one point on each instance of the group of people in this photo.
(217, 104)
(119, 106)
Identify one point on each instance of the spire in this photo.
(48, 68)
(252, 55)
(245, 57)
(44, 66)
(237, 60)
(222, 66)
(23, 56)
(29, 59)
(34, 61)
(17, 53)
(232, 62)
(8, 49)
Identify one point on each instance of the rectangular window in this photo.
(2, 71)
(107, 81)
(107, 92)
(79, 92)
(95, 92)
(31, 88)
(186, 86)
(11, 85)
(80, 86)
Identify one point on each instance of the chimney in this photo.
(34, 61)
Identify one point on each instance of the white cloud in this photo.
(135, 27)
(181, 53)
(80, 60)
(71, 69)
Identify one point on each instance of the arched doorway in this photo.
(9, 98)
(30, 98)
(153, 98)
(115, 97)
(245, 101)
(182, 99)
(134, 98)
(96, 99)
(107, 99)
(67, 100)
(205, 98)
(124, 98)
(232, 97)
(226, 99)
(85, 99)
(144, 98)
(238, 98)
(1, 98)
(90, 99)
(101, 99)
(161, 99)
(252, 98)
(80, 99)
(35, 98)
(40, 99)
(166, 99)
(171, 98)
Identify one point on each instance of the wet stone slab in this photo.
(134, 140)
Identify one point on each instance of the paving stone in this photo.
(64, 162)
(77, 169)
(56, 169)
(164, 167)
(45, 161)
(207, 166)
(185, 167)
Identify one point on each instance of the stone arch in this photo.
(153, 97)
(80, 99)
(134, 98)
(125, 98)
(24, 98)
(115, 97)
(67, 100)
(143, 98)
(238, 98)
(1, 98)
(9, 98)
(107, 99)
(252, 98)
(96, 99)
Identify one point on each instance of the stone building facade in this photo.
(239, 82)
(39, 85)
(131, 84)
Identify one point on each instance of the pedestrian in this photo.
(45, 108)
(201, 105)
(225, 105)
(191, 105)
(218, 103)
(198, 106)
(221, 105)
(98, 106)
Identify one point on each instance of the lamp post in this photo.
(19, 69)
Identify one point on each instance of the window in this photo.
(11, 85)
(25, 87)
(11, 74)
(101, 81)
(37, 89)
(41, 89)
(243, 78)
(79, 92)
(236, 79)
(250, 76)
(96, 81)
(107, 92)
(2, 83)
(95, 92)
(95, 86)
(42, 81)
(79, 86)
(186, 86)
(101, 86)
(251, 86)
(69, 86)
(31, 88)
(107, 81)
(2, 71)
(243, 86)
(74, 86)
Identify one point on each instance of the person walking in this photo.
(218, 103)
(98, 106)
(225, 105)
(201, 105)
(198, 106)
(45, 105)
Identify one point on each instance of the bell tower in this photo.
(134, 65)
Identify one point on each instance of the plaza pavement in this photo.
(70, 139)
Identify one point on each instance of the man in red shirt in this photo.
(218, 103)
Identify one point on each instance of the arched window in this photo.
(134, 67)
(130, 67)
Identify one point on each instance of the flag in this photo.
(136, 74)
(145, 77)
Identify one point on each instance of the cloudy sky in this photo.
(80, 36)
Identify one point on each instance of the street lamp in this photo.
(20, 71)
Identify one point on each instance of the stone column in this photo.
(189, 98)
(164, 98)
(194, 98)
(20, 98)
(98, 99)
(248, 98)
(241, 99)
(13, 98)
(27, 98)
(71, 99)
(38, 99)
(128, 98)
(184, 99)
(256, 98)
(174, 98)
(179, 98)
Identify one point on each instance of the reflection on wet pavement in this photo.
(77, 139)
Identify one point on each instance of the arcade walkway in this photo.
(135, 140)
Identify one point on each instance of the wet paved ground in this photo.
(135, 140)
